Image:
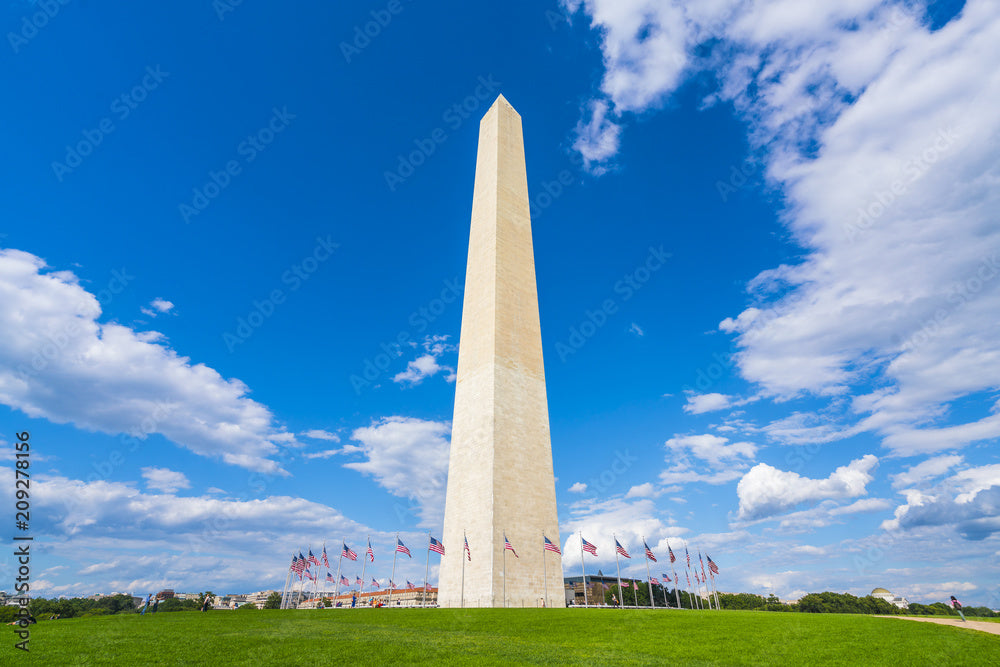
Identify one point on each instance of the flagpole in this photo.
(619, 568)
(465, 540)
(505, 567)
(364, 564)
(336, 590)
(652, 600)
(284, 591)
(316, 580)
(712, 575)
(427, 567)
(677, 583)
(392, 579)
(583, 571)
(545, 578)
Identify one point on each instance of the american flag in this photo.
(370, 554)
(312, 559)
(549, 546)
(588, 547)
(649, 552)
(349, 553)
(391, 585)
(359, 582)
(688, 578)
(713, 568)
(635, 585)
(507, 545)
(436, 547)
(329, 577)
(326, 561)
(375, 583)
(688, 555)
(303, 563)
(696, 579)
(468, 553)
(410, 585)
(702, 566)
(310, 575)
(673, 558)
(655, 581)
(401, 548)
(666, 577)
(620, 549)
(345, 581)
(297, 565)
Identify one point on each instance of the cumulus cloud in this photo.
(578, 487)
(969, 500)
(882, 135)
(409, 458)
(165, 480)
(426, 365)
(700, 403)
(766, 491)
(68, 367)
(157, 306)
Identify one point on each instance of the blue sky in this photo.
(234, 243)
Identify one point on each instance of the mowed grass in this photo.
(498, 636)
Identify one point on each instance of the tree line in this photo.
(813, 603)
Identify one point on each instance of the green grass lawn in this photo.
(498, 636)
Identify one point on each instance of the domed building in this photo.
(884, 594)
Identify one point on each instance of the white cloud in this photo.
(711, 448)
(700, 403)
(647, 490)
(325, 454)
(765, 491)
(969, 500)
(69, 367)
(882, 136)
(426, 365)
(320, 434)
(578, 487)
(637, 330)
(409, 457)
(925, 470)
(157, 306)
(165, 480)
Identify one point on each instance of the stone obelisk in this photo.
(500, 478)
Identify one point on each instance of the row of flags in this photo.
(300, 564)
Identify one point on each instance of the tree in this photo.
(273, 601)
(249, 606)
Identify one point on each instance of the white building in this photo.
(883, 594)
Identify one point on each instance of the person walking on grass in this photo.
(957, 606)
(145, 605)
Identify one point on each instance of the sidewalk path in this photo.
(984, 626)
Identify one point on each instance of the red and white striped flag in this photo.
(655, 581)
(549, 546)
(436, 546)
(401, 548)
(588, 547)
(620, 549)
(507, 545)
(349, 553)
(370, 554)
(468, 553)
(649, 552)
(712, 567)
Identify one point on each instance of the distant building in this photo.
(165, 594)
(401, 597)
(597, 584)
(258, 598)
(883, 594)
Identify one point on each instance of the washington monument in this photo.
(500, 479)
